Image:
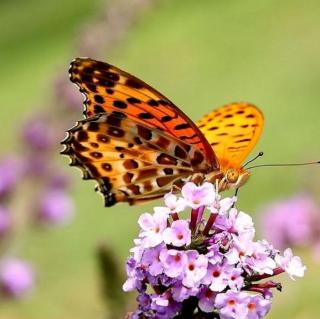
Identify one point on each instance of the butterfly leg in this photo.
(197, 178)
(235, 194)
(175, 189)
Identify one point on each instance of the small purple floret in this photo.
(16, 277)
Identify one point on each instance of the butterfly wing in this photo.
(130, 161)
(107, 88)
(232, 130)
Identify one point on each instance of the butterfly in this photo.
(138, 145)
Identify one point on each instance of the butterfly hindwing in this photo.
(107, 89)
(130, 161)
(232, 130)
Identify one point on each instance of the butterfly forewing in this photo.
(232, 130)
(108, 89)
(130, 161)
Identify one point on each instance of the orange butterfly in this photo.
(138, 145)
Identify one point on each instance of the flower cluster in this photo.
(293, 222)
(208, 264)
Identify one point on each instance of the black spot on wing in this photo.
(119, 104)
(153, 102)
(99, 99)
(182, 126)
(98, 109)
(144, 132)
(145, 116)
(135, 84)
(133, 100)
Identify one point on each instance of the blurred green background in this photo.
(201, 54)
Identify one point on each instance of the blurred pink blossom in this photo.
(16, 277)
(291, 222)
(55, 208)
(11, 169)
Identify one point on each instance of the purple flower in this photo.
(217, 276)
(207, 300)
(55, 208)
(164, 305)
(221, 241)
(66, 92)
(130, 284)
(195, 270)
(11, 169)
(5, 221)
(196, 196)
(236, 222)
(260, 260)
(235, 279)
(152, 258)
(16, 277)
(181, 293)
(174, 262)
(179, 234)
(291, 264)
(58, 180)
(240, 248)
(176, 205)
(232, 305)
(257, 307)
(214, 255)
(290, 221)
(137, 250)
(152, 228)
(144, 301)
(37, 134)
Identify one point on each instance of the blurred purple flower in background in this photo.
(292, 222)
(183, 266)
(55, 208)
(57, 179)
(67, 93)
(38, 134)
(16, 277)
(11, 170)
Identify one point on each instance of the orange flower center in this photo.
(251, 306)
(180, 236)
(191, 267)
(231, 302)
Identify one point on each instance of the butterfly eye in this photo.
(232, 175)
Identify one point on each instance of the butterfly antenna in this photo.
(253, 159)
(284, 164)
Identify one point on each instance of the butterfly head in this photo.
(230, 178)
(235, 177)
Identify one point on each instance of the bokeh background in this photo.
(201, 54)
